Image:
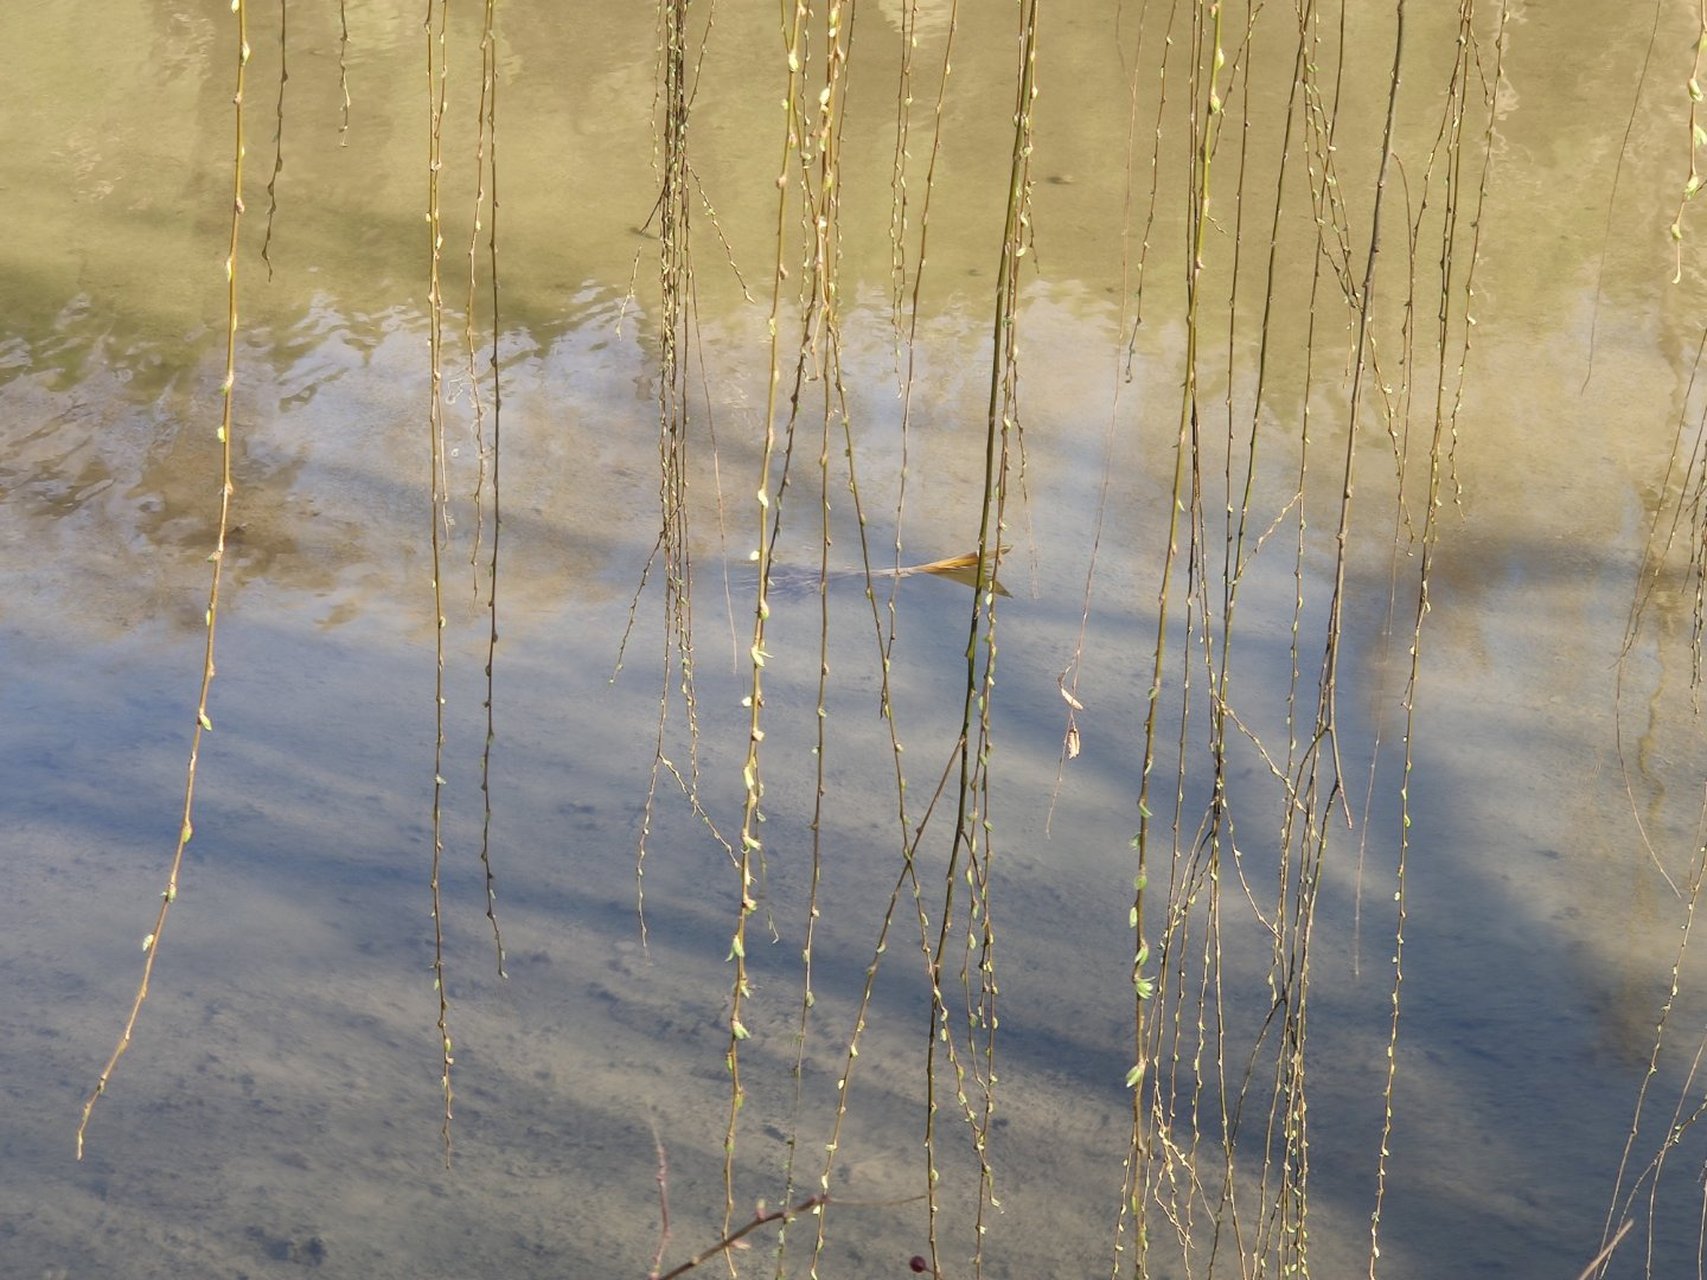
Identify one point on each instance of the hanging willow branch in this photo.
(203, 724)
(486, 205)
(1220, 1151)
(439, 524)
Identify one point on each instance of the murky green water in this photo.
(280, 1109)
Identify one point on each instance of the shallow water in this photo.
(280, 1108)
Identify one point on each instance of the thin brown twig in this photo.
(1601, 1257)
(663, 1205)
(728, 1242)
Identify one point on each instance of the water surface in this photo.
(280, 1109)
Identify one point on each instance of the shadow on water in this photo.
(295, 1016)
